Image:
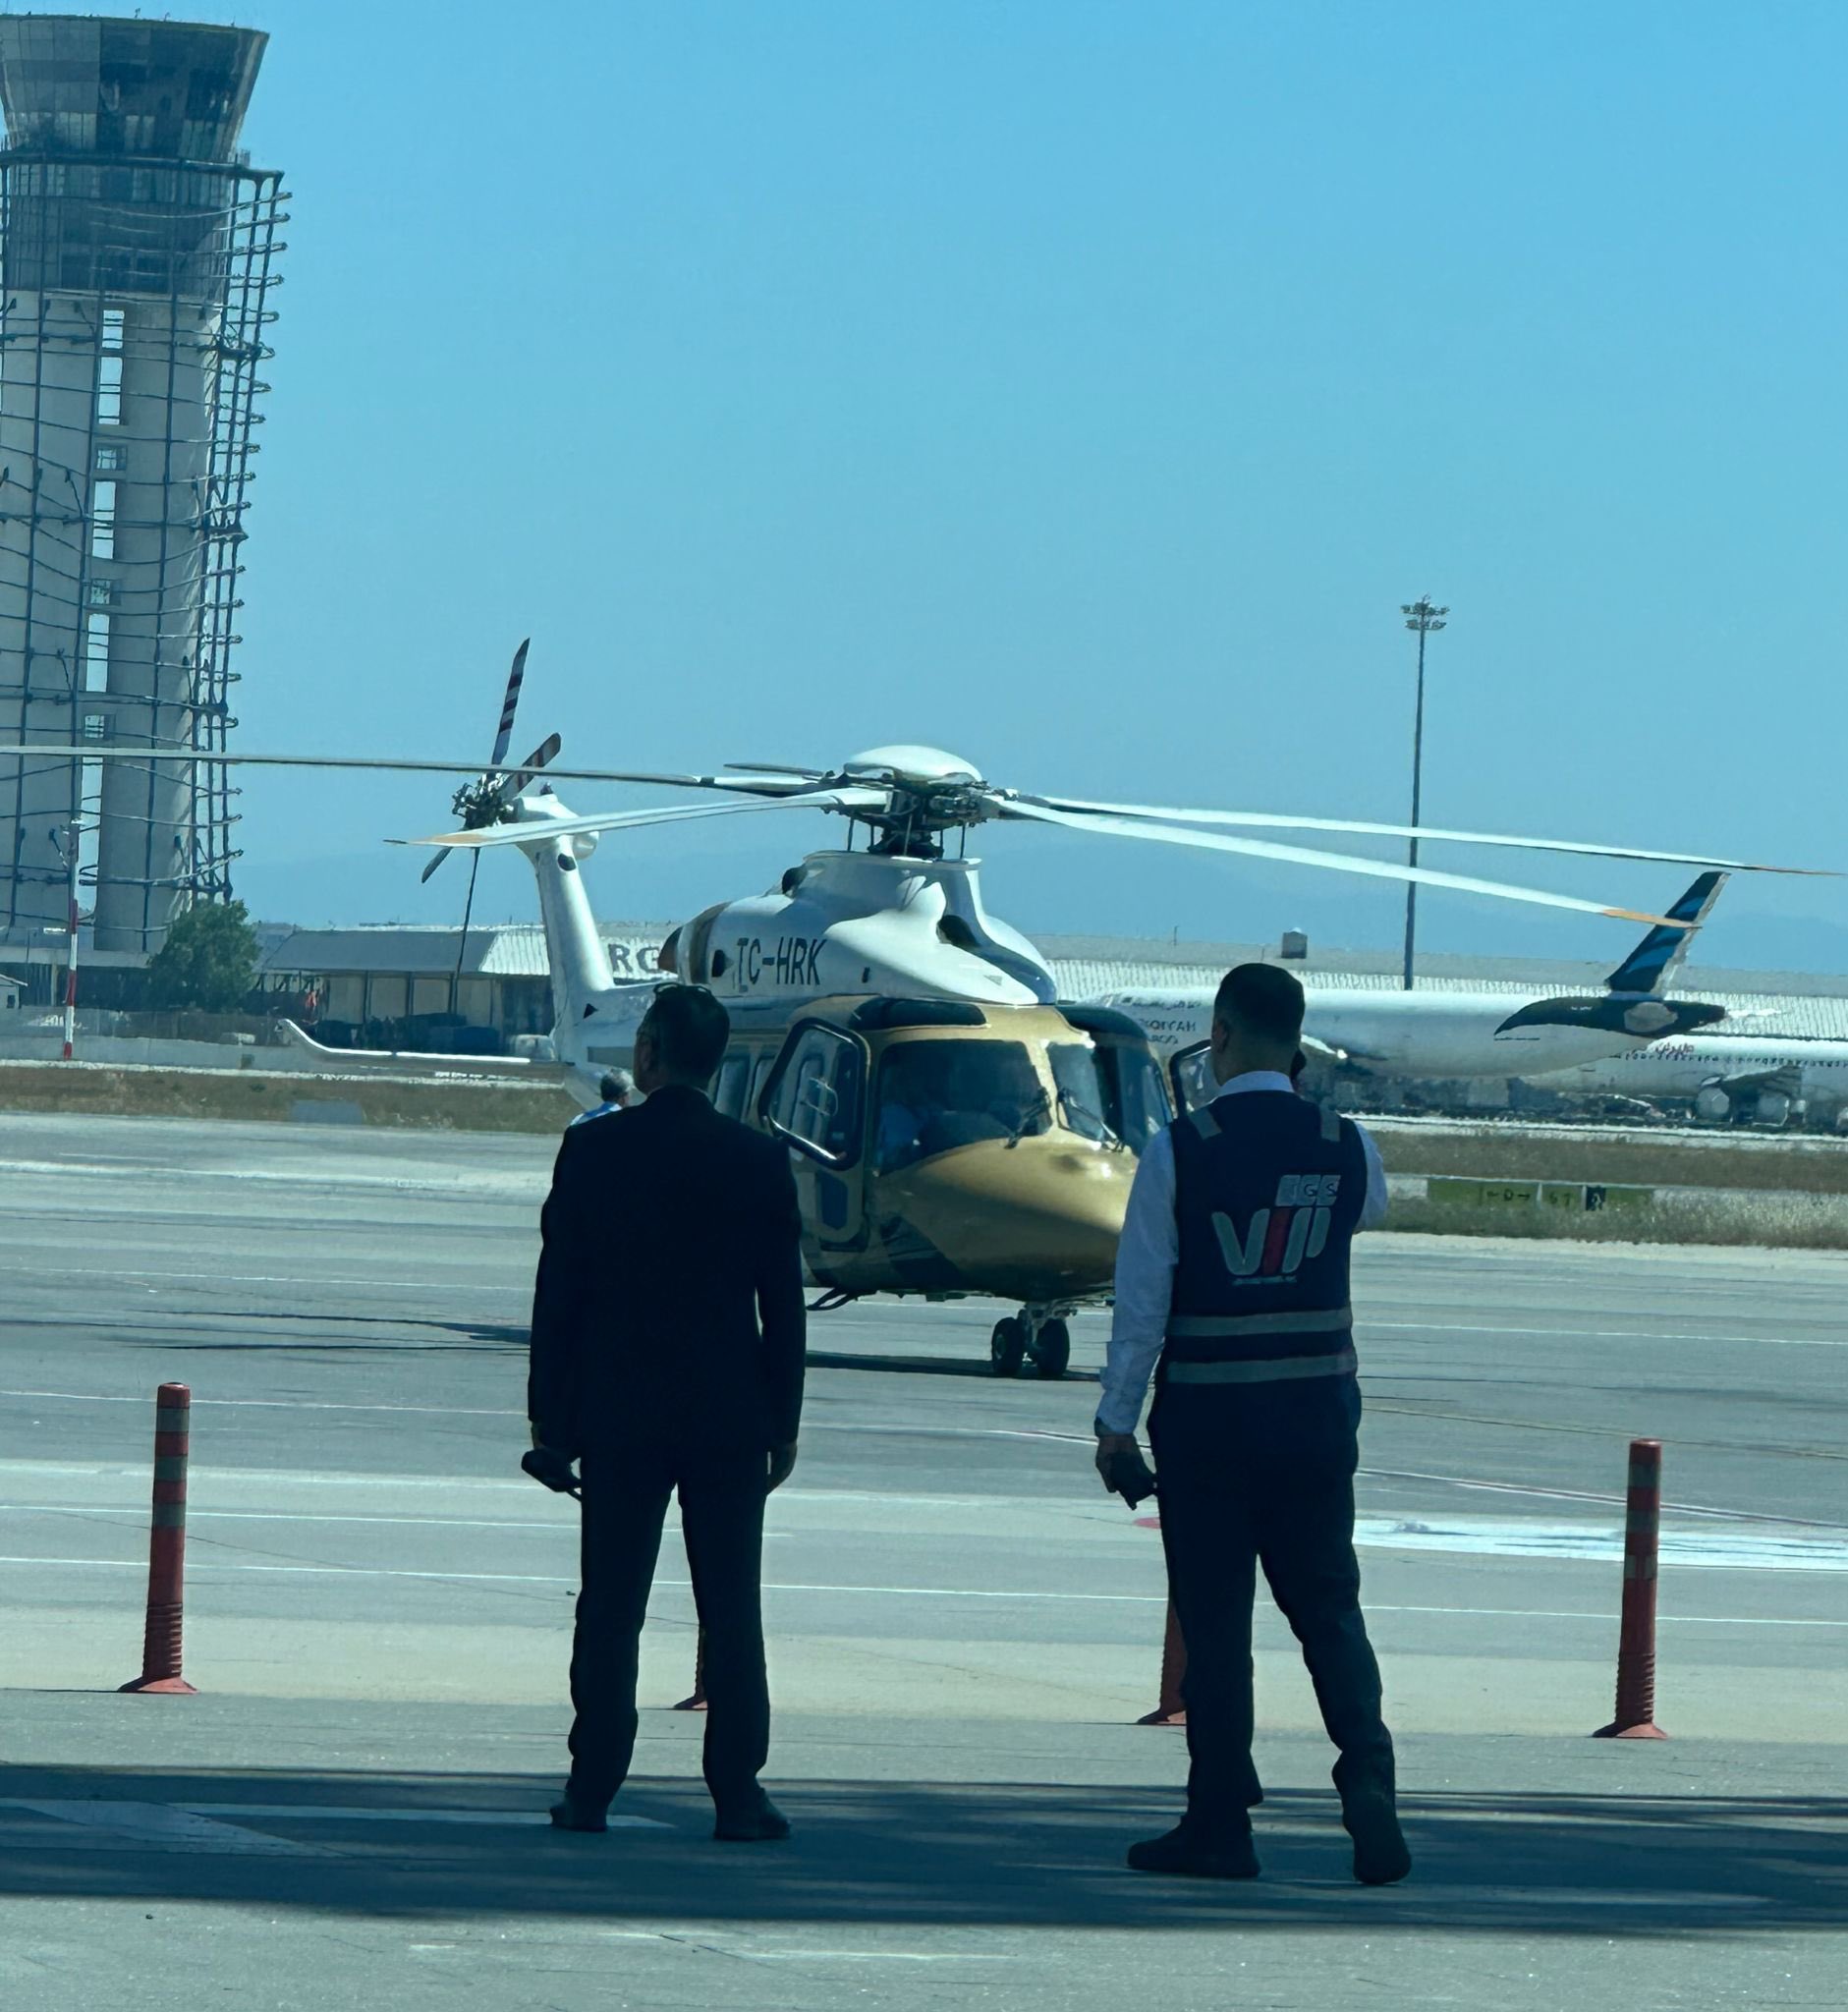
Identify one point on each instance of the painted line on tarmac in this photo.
(1367, 1326)
(409, 1285)
(1391, 1474)
(1153, 1599)
(459, 1185)
(139, 1825)
(1492, 1537)
(352, 1813)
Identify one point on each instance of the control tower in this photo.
(136, 247)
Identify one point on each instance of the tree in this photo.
(208, 960)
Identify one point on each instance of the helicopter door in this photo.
(816, 1099)
(1190, 1071)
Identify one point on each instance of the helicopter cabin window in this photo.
(728, 1093)
(759, 1076)
(817, 1096)
(1078, 1071)
(1193, 1081)
(937, 1096)
(1135, 1102)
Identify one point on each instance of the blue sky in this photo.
(1082, 388)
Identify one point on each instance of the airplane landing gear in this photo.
(1036, 1334)
(1007, 1347)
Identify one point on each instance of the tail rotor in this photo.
(490, 797)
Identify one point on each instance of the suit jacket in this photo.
(669, 1301)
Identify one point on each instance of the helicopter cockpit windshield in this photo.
(1111, 1094)
(936, 1095)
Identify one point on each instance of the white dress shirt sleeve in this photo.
(1145, 1257)
(1374, 1208)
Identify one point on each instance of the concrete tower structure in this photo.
(135, 245)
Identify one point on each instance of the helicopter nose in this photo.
(1036, 1219)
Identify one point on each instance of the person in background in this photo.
(617, 1089)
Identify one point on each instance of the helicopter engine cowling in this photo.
(852, 922)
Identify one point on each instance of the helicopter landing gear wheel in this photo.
(1007, 1347)
(1051, 1350)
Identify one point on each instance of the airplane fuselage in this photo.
(1430, 1034)
(1815, 1071)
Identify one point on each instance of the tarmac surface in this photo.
(964, 1628)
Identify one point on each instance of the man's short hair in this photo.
(1261, 999)
(614, 1084)
(690, 1030)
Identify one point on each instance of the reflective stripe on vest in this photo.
(1208, 1126)
(1224, 1326)
(1286, 1370)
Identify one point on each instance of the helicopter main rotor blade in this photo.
(1265, 822)
(1342, 863)
(392, 764)
(510, 705)
(623, 821)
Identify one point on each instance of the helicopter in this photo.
(957, 1129)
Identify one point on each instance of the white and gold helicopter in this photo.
(957, 1130)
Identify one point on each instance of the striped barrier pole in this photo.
(1636, 1636)
(695, 1702)
(1170, 1708)
(166, 1546)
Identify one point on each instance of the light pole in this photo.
(1425, 620)
(68, 838)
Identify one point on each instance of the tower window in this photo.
(95, 726)
(100, 594)
(102, 519)
(109, 368)
(110, 458)
(95, 652)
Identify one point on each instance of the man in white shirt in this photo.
(1232, 1290)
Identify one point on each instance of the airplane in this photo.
(1354, 1032)
(1723, 1079)
(956, 1131)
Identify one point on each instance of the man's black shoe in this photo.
(753, 1823)
(573, 1812)
(1188, 1852)
(1381, 1854)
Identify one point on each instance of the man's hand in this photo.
(781, 1466)
(550, 1465)
(1122, 1468)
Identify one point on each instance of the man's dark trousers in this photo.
(1264, 1473)
(722, 1514)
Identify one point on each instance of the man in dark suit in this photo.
(667, 1353)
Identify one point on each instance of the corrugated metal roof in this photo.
(503, 950)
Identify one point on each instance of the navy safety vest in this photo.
(1268, 1187)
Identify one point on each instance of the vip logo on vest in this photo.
(1277, 1239)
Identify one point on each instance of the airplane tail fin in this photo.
(1653, 964)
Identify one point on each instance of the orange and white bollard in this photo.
(166, 1548)
(696, 1701)
(1636, 1636)
(1170, 1709)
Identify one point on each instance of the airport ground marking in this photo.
(1021, 1596)
(354, 1812)
(139, 1824)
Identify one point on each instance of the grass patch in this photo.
(1795, 1222)
(247, 1094)
(1815, 1169)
